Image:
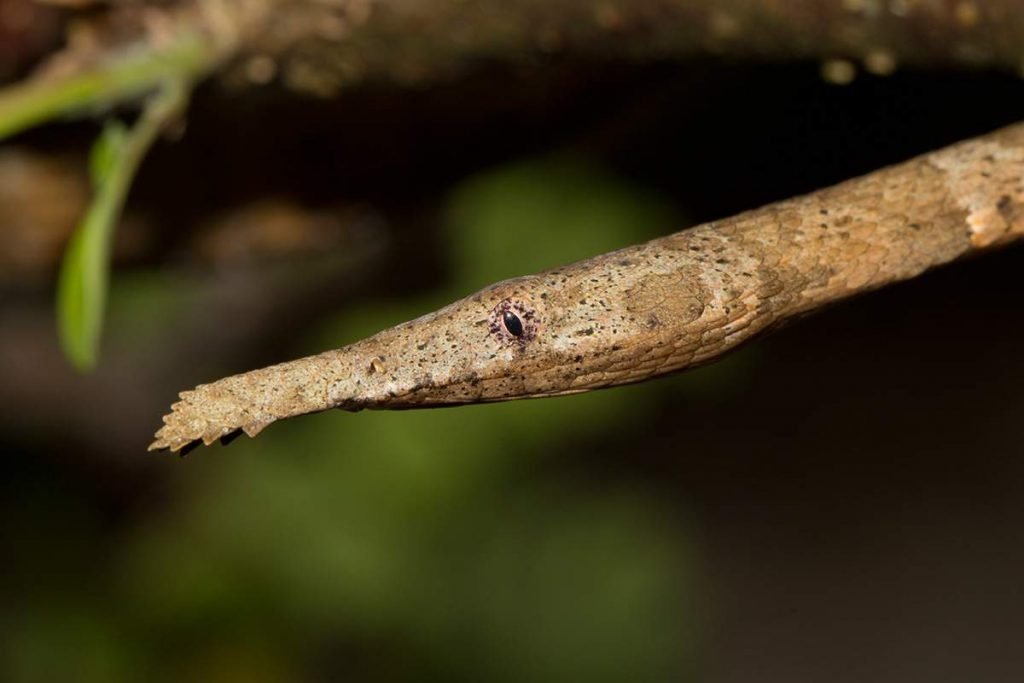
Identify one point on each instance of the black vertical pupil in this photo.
(513, 324)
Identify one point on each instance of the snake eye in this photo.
(512, 323)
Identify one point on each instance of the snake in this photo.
(647, 310)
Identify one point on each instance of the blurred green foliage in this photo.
(426, 545)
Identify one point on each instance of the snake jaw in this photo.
(417, 363)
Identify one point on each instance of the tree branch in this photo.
(324, 47)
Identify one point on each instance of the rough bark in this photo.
(325, 46)
(321, 47)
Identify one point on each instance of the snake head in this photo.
(558, 332)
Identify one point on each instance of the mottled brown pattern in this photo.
(649, 309)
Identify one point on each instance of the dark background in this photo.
(839, 501)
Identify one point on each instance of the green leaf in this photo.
(82, 285)
(106, 152)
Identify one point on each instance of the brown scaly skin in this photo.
(649, 309)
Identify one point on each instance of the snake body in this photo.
(646, 310)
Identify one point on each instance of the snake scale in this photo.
(646, 310)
